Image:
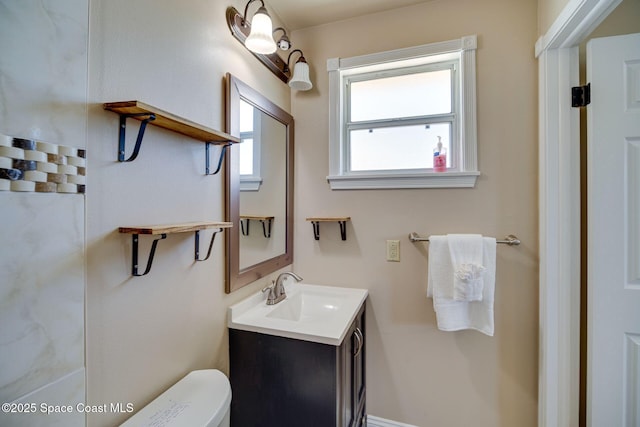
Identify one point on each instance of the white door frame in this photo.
(559, 210)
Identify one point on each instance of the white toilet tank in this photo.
(200, 399)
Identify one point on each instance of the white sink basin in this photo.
(308, 306)
(310, 312)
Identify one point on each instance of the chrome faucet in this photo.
(276, 289)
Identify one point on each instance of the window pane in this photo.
(246, 117)
(408, 95)
(246, 157)
(401, 147)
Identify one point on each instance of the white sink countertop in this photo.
(314, 313)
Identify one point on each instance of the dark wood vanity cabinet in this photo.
(284, 382)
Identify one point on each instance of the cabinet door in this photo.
(357, 371)
(346, 377)
(281, 382)
(354, 372)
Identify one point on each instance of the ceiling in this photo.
(298, 14)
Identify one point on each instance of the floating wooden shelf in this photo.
(175, 228)
(265, 220)
(162, 231)
(149, 114)
(256, 217)
(330, 219)
(342, 220)
(170, 121)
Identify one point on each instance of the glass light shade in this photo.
(300, 79)
(260, 39)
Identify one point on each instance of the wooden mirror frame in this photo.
(236, 278)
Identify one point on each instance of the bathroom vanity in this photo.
(291, 377)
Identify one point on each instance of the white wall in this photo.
(417, 374)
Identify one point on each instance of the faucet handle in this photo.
(272, 294)
(269, 287)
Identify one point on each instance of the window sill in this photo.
(425, 180)
(250, 183)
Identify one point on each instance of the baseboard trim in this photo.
(381, 422)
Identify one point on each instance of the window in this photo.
(250, 136)
(390, 111)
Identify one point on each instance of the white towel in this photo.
(455, 315)
(468, 271)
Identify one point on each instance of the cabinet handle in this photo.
(360, 338)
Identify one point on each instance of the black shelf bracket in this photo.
(207, 161)
(134, 255)
(316, 229)
(121, 137)
(197, 246)
(343, 229)
(266, 226)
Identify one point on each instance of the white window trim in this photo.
(467, 171)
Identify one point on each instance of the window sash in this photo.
(451, 118)
(348, 80)
(451, 154)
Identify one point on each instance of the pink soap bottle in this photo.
(439, 157)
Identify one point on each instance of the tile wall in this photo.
(43, 92)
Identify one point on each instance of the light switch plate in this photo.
(393, 250)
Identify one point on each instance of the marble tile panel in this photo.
(41, 290)
(59, 404)
(43, 69)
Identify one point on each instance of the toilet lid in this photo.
(201, 398)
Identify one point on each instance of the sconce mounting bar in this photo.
(272, 60)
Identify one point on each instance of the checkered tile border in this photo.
(30, 165)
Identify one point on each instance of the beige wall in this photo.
(548, 11)
(145, 333)
(417, 374)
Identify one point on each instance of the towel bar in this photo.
(510, 240)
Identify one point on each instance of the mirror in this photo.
(259, 187)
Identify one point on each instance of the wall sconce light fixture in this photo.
(300, 79)
(258, 37)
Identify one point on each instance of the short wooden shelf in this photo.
(266, 221)
(175, 228)
(163, 231)
(146, 113)
(342, 220)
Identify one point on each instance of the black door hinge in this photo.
(581, 95)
